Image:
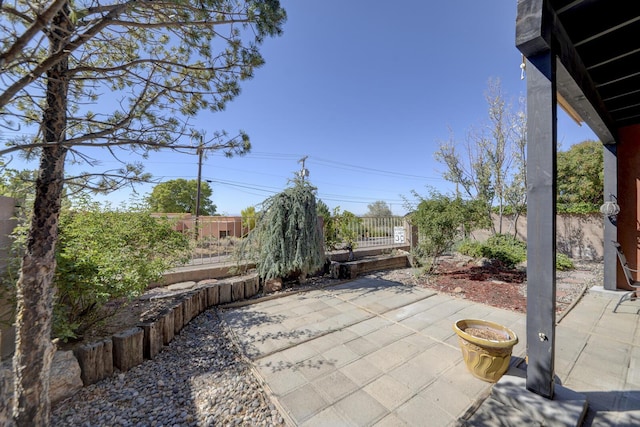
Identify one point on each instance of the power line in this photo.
(346, 166)
(254, 187)
(270, 190)
(323, 196)
(311, 159)
(362, 202)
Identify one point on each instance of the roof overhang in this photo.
(597, 52)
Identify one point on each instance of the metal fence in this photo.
(380, 231)
(218, 237)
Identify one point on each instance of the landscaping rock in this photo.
(181, 286)
(200, 379)
(65, 376)
(272, 285)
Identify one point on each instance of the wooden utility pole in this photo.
(303, 171)
(197, 229)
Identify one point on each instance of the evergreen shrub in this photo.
(287, 241)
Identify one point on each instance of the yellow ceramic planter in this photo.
(486, 359)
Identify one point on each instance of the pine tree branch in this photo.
(109, 19)
(150, 144)
(40, 22)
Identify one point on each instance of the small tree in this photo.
(378, 209)
(441, 220)
(346, 226)
(180, 196)
(287, 241)
(581, 177)
(249, 217)
(160, 64)
(491, 165)
(516, 189)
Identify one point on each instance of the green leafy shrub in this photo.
(377, 232)
(507, 249)
(345, 225)
(563, 262)
(249, 217)
(104, 254)
(330, 235)
(441, 220)
(471, 248)
(578, 208)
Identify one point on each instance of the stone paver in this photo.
(373, 352)
(596, 353)
(366, 352)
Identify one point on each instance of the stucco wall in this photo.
(578, 236)
(210, 226)
(628, 221)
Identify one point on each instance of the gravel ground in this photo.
(199, 379)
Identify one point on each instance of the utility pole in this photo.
(199, 151)
(303, 172)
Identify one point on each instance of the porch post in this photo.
(610, 225)
(541, 222)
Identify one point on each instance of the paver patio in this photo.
(366, 352)
(374, 352)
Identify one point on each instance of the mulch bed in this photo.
(494, 283)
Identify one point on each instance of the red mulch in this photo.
(494, 284)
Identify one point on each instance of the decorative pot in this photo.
(486, 347)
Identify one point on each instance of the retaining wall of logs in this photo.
(352, 269)
(129, 348)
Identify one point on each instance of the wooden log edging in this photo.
(151, 338)
(130, 347)
(168, 326)
(351, 270)
(95, 360)
(237, 290)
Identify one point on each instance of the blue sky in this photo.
(367, 92)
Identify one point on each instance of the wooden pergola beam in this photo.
(541, 223)
(553, 67)
(539, 30)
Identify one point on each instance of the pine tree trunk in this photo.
(5, 409)
(34, 349)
